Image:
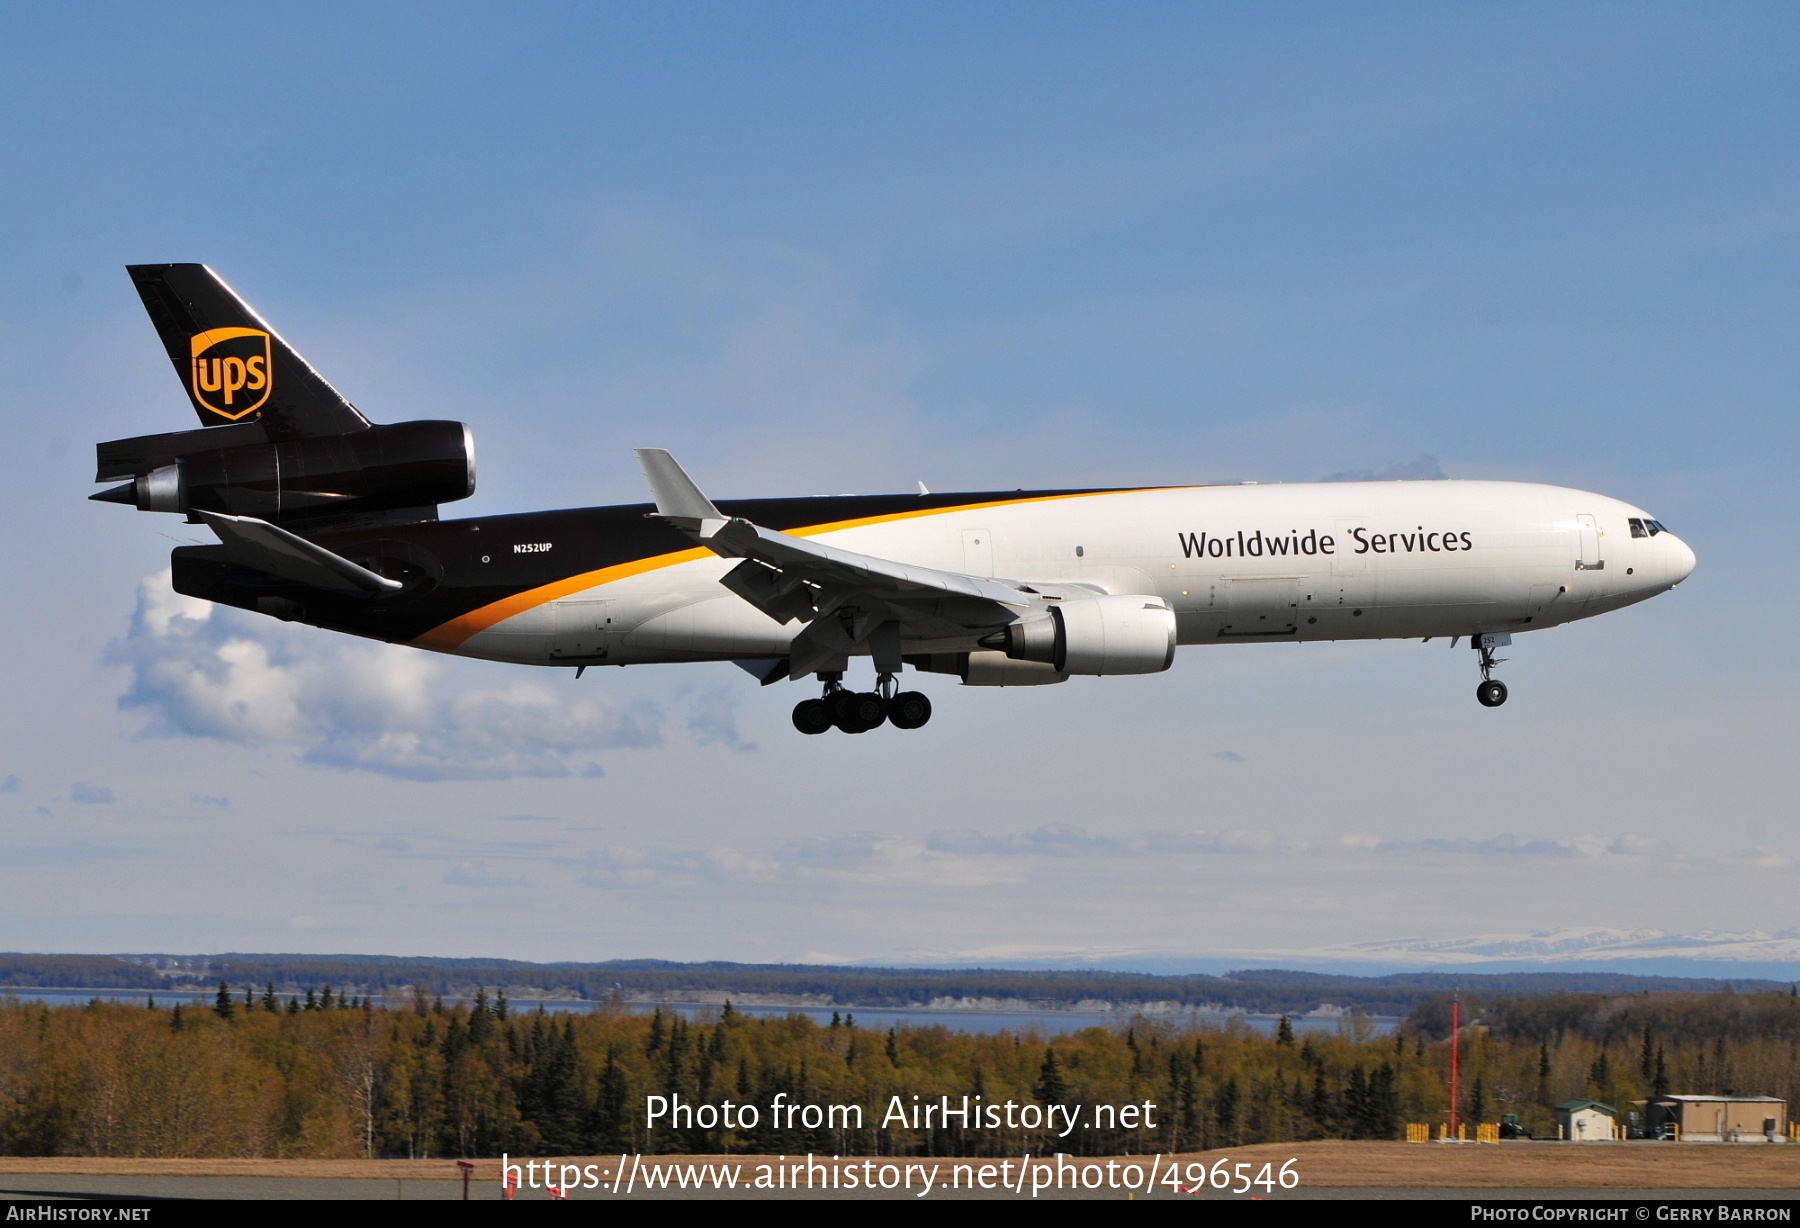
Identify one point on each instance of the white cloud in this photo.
(477, 874)
(205, 671)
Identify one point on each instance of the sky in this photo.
(820, 248)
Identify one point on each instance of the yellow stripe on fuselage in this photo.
(448, 637)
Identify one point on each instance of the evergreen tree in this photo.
(268, 1000)
(1284, 1033)
(1384, 1103)
(1051, 1087)
(312, 1003)
(249, 999)
(175, 1019)
(656, 1032)
(1225, 1112)
(293, 1006)
(325, 999)
(501, 1008)
(893, 1047)
(1646, 1057)
(610, 1118)
(1599, 1075)
(1356, 1103)
(1659, 1080)
(550, 1093)
(1478, 1100)
(150, 1002)
(1543, 1074)
(222, 1005)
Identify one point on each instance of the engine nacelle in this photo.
(998, 669)
(987, 668)
(1131, 634)
(402, 466)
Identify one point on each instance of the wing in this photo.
(843, 597)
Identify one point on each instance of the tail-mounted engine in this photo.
(401, 471)
(1095, 635)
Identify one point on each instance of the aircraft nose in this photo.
(1684, 561)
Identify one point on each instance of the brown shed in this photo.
(1719, 1119)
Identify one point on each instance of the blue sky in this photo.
(821, 248)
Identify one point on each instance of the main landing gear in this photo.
(861, 711)
(1491, 692)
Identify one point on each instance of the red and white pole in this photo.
(1455, 1066)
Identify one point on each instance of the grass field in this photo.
(1622, 1166)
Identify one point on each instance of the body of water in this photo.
(874, 1018)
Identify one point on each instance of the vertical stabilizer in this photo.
(234, 367)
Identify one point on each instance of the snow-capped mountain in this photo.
(1584, 944)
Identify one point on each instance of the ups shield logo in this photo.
(232, 372)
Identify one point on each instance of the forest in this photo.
(329, 1074)
(1262, 991)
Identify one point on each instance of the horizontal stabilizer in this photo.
(266, 547)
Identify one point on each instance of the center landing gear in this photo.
(1491, 692)
(859, 712)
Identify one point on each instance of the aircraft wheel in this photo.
(811, 716)
(1491, 693)
(837, 706)
(859, 713)
(909, 710)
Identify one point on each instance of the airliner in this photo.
(326, 518)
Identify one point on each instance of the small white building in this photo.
(1585, 1121)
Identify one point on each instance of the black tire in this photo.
(811, 716)
(867, 710)
(843, 708)
(1491, 693)
(838, 705)
(909, 710)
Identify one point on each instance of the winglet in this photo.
(677, 498)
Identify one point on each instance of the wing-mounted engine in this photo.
(400, 472)
(1131, 634)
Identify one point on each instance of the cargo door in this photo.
(584, 629)
(1261, 606)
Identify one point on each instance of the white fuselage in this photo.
(1250, 563)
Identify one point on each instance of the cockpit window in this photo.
(1655, 527)
(1637, 528)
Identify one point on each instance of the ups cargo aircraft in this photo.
(326, 518)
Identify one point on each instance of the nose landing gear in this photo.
(1491, 692)
(859, 712)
